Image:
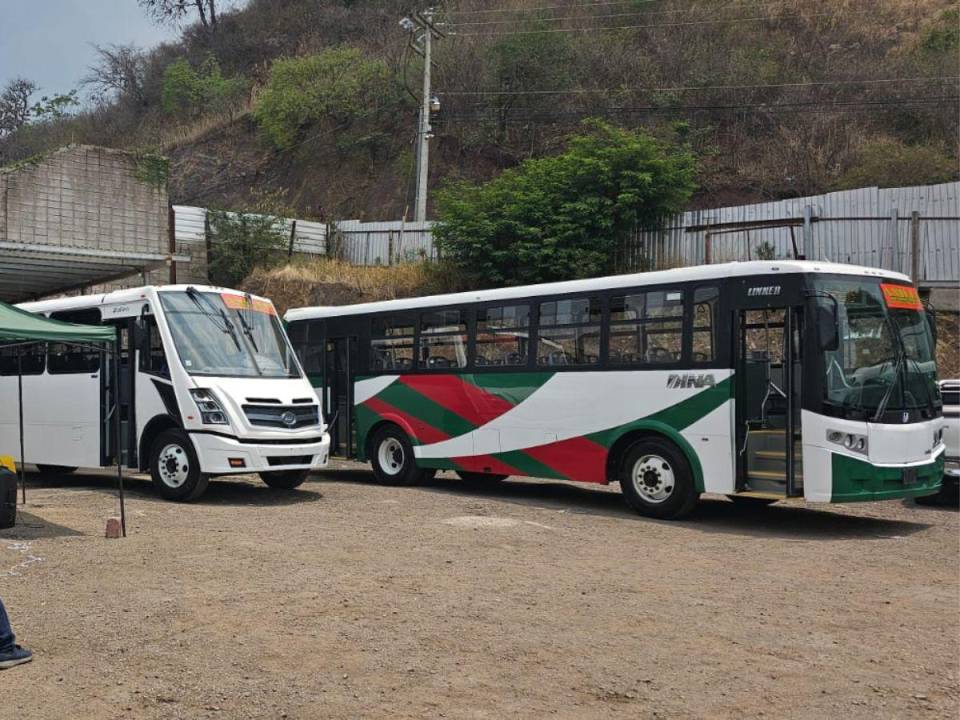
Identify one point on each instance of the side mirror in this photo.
(828, 327)
(932, 322)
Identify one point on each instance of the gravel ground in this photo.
(529, 599)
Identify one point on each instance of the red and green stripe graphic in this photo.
(434, 408)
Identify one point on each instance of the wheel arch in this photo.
(153, 428)
(652, 429)
(385, 419)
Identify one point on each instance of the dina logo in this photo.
(679, 381)
(763, 291)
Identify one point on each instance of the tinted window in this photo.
(443, 339)
(569, 332)
(503, 334)
(646, 328)
(705, 324)
(32, 359)
(391, 343)
(153, 359)
(71, 358)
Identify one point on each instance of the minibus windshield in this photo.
(228, 335)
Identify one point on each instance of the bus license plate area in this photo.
(909, 476)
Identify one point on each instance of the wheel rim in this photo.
(173, 465)
(391, 456)
(653, 479)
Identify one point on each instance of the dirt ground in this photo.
(531, 599)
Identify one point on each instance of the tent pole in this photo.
(116, 425)
(23, 482)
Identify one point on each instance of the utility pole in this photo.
(422, 30)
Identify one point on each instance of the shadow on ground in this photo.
(712, 515)
(221, 491)
(32, 527)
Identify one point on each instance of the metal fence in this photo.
(910, 230)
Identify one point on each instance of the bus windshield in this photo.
(228, 335)
(885, 361)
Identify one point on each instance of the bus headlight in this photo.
(211, 411)
(851, 441)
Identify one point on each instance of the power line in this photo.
(689, 88)
(571, 6)
(757, 107)
(753, 6)
(686, 23)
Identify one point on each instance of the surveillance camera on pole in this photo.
(421, 27)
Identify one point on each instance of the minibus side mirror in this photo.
(828, 327)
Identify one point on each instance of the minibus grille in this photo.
(285, 417)
(274, 460)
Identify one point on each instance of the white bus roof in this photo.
(699, 272)
(79, 302)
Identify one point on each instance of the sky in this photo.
(49, 41)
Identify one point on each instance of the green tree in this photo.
(562, 217)
(340, 85)
(241, 242)
(191, 92)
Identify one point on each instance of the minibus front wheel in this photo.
(174, 467)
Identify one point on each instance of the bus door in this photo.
(768, 376)
(125, 391)
(339, 364)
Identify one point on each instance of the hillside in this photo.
(778, 99)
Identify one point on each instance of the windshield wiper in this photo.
(212, 314)
(247, 330)
(885, 400)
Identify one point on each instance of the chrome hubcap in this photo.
(653, 478)
(173, 465)
(390, 456)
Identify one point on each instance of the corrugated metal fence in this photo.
(868, 226)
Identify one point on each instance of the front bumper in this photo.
(221, 455)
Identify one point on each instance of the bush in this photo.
(887, 162)
(562, 217)
(194, 92)
(242, 242)
(340, 85)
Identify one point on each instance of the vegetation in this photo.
(338, 86)
(563, 216)
(242, 242)
(887, 162)
(192, 92)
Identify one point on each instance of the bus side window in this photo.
(705, 324)
(32, 360)
(153, 359)
(646, 328)
(443, 339)
(391, 343)
(503, 335)
(569, 332)
(64, 358)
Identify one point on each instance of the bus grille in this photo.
(278, 416)
(274, 460)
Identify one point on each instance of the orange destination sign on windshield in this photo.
(901, 296)
(240, 302)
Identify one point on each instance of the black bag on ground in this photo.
(8, 498)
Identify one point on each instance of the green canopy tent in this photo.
(20, 329)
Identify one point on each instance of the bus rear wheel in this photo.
(656, 480)
(391, 454)
(174, 467)
(478, 478)
(56, 469)
(285, 479)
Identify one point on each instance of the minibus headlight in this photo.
(211, 411)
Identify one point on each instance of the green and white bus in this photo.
(757, 380)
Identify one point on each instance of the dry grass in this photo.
(326, 281)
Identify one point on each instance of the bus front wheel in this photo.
(285, 479)
(656, 480)
(174, 467)
(391, 455)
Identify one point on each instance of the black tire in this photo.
(748, 501)
(56, 469)
(170, 447)
(478, 478)
(662, 470)
(285, 479)
(949, 494)
(391, 454)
